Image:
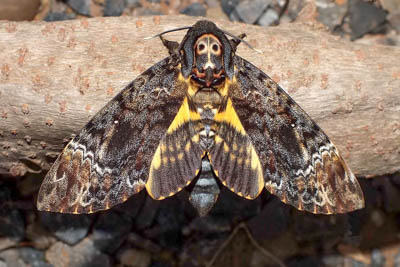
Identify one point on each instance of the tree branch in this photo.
(55, 76)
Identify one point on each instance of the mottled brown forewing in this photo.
(110, 158)
(300, 164)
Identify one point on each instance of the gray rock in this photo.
(228, 6)
(69, 228)
(364, 18)
(110, 230)
(114, 7)
(332, 260)
(11, 258)
(270, 17)
(250, 11)
(353, 263)
(21, 257)
(330, 13)
(81, 7)
(377, 258)
(397, 260)
(83, 254)
(195, 9)
(234, 16)
(132, 3)
(293, 9)
(58, 16)
(33, 257)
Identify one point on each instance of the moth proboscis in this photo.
(201, 115)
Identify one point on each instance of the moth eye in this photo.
(215, 47)
(201, 47)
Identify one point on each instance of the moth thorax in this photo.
(207, 101)
(207, 98)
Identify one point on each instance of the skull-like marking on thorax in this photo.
(208, 67)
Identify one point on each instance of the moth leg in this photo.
(172, 46)
(236, 42)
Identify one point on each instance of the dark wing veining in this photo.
(300, 164)
(112, 156)
(233, 156)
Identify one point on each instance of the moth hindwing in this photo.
(201, 115)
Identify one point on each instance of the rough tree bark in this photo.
(55, 76)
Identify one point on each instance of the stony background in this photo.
(238, 232)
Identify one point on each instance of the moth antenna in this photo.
(173, 30)
(241, 40)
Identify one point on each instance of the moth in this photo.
(206, 117)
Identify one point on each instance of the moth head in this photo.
(206, 52)
(208, 64)
(204, 46)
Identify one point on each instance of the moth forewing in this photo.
(109, 160)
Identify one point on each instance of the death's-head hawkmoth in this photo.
(200, 115)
